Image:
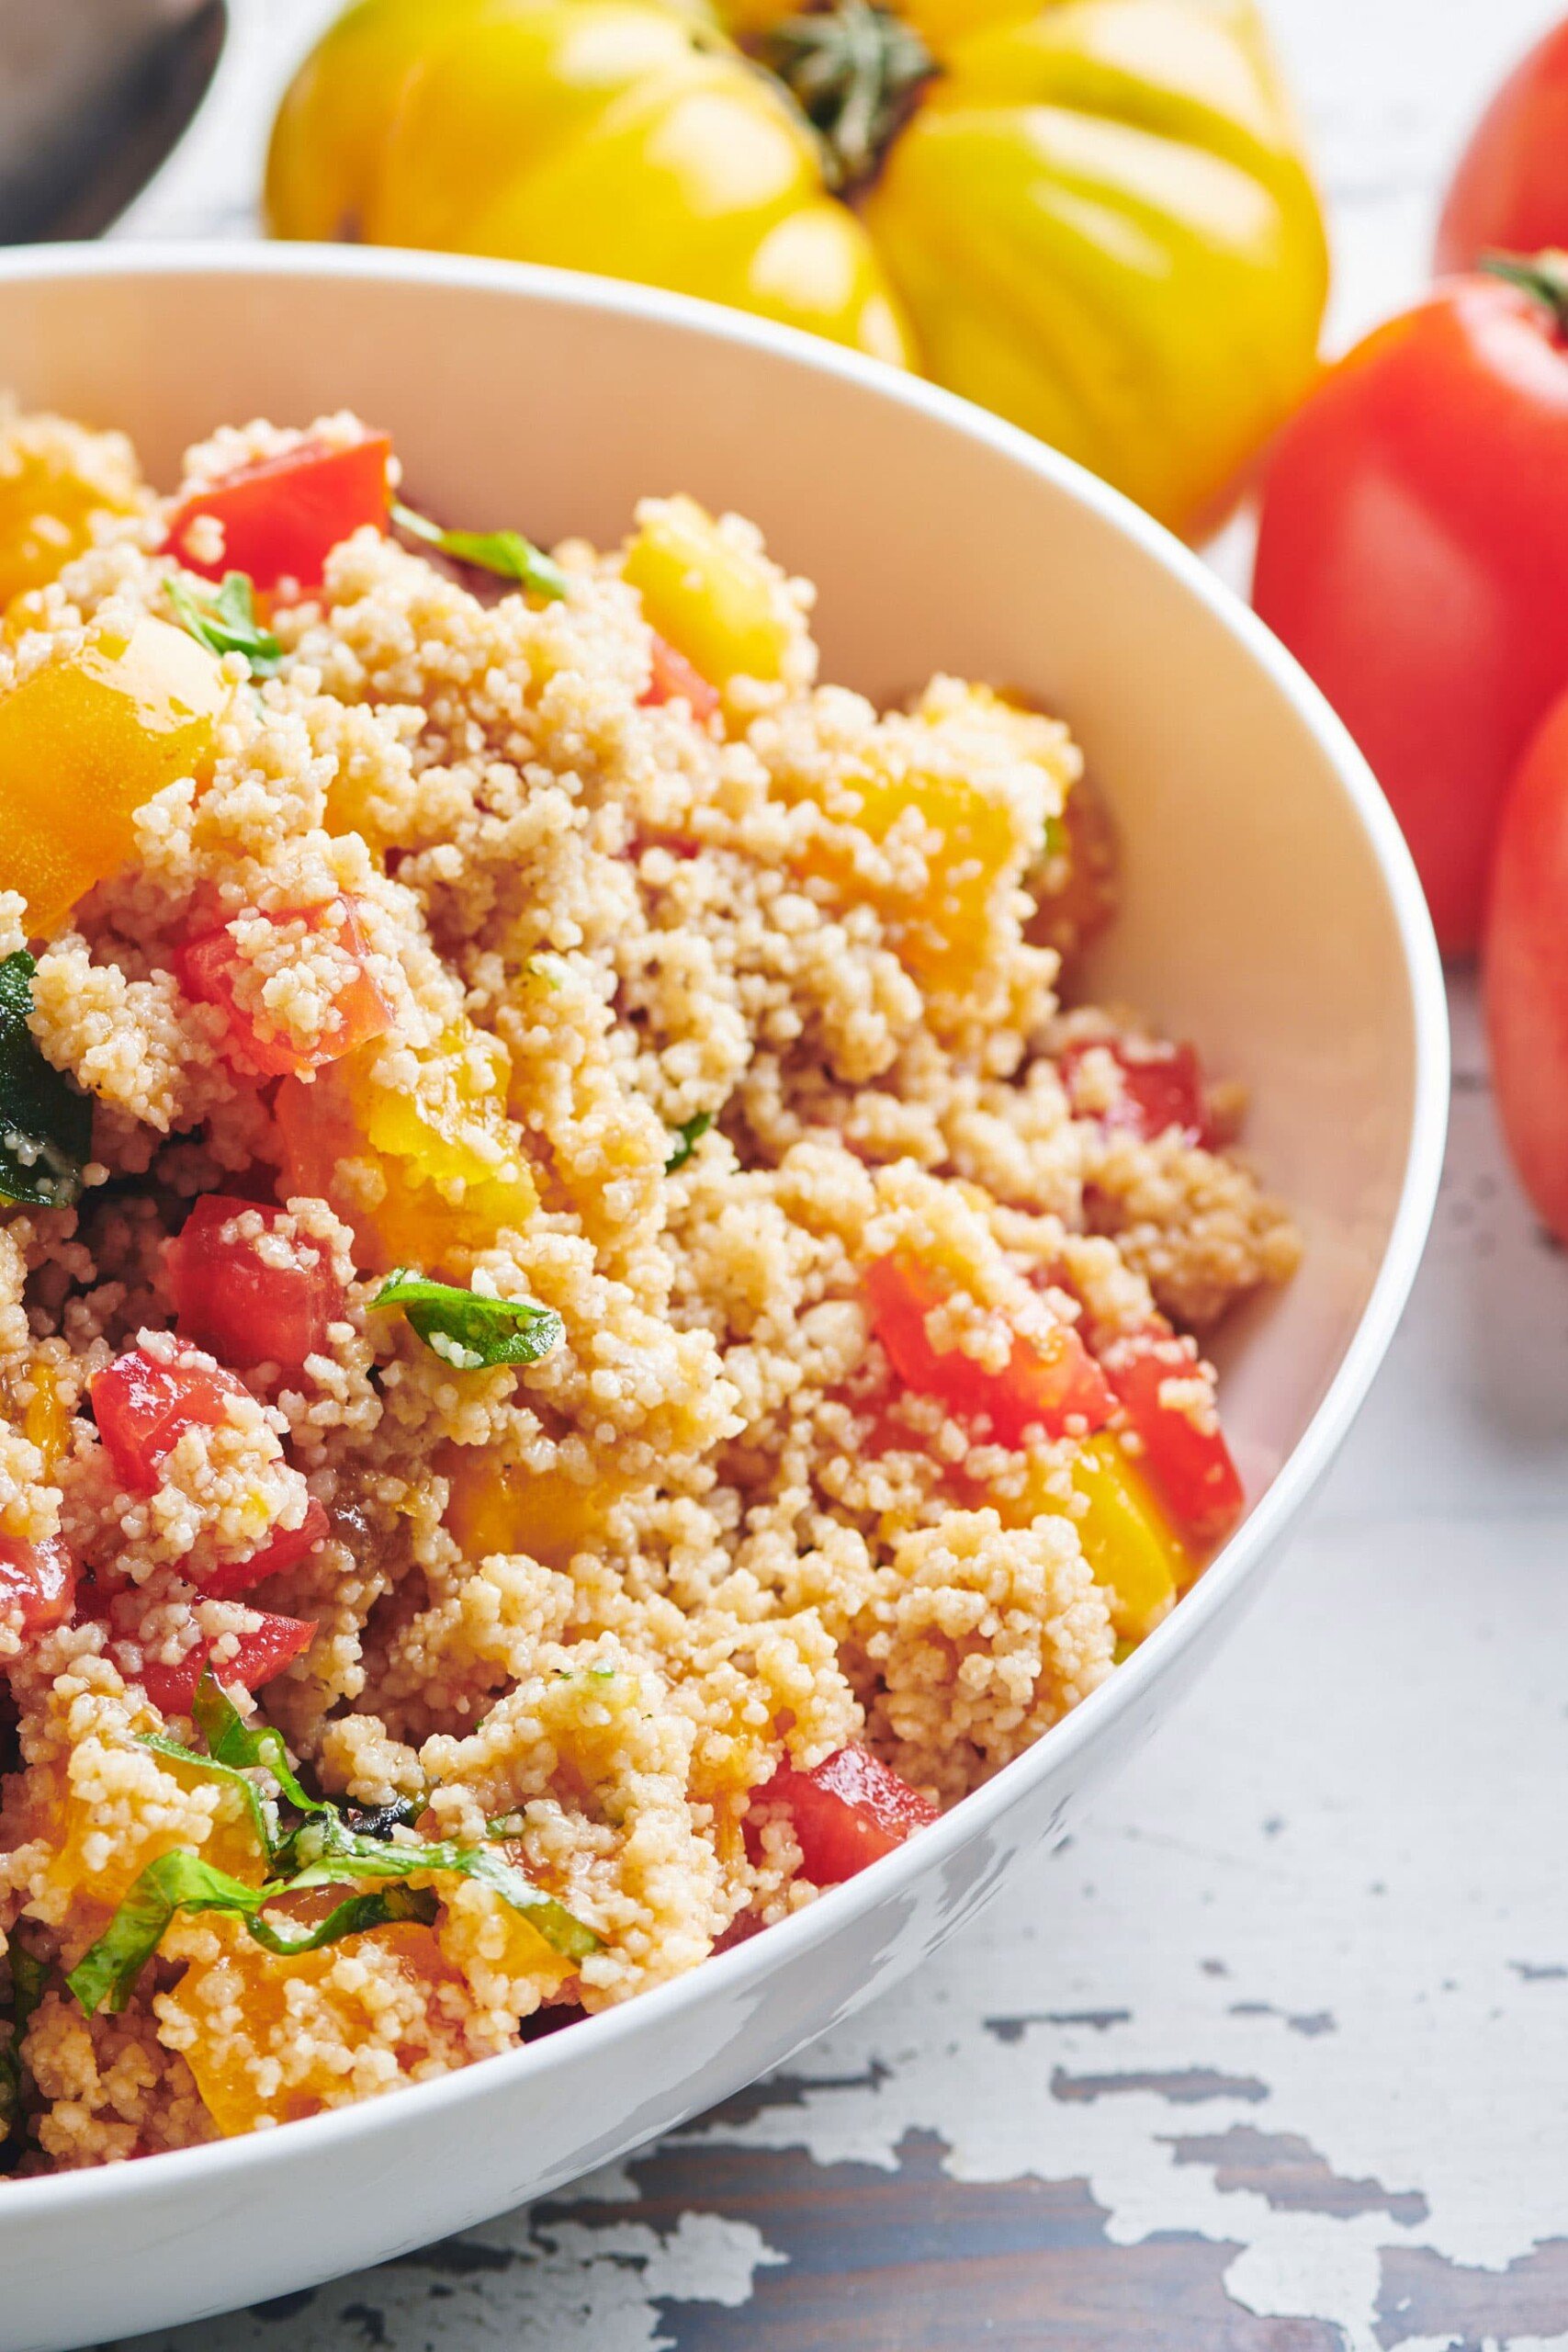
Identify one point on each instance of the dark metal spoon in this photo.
(94, 94)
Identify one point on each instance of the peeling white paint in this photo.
(1357, 1818)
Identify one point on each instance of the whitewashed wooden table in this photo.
(1274, 2058)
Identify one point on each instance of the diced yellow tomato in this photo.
(46, 1421)
(80, 1868)
(420, 1174)
(45, 510)
(481, 1935)
(954, 846)
(86, 740)
(498, 1506)
(244, 2023)
(715, 602)
(1136, 1553)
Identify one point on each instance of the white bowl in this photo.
(1272, 913)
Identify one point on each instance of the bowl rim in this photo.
(23, 2202)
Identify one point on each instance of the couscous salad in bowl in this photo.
(655, 1545)
(587, 1337)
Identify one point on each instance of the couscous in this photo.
(585, 1339)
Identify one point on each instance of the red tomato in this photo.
(283, 517)
(38, 1584)
(1048, 1383)
(1412, 554)
(848, 1811)
(232, 1300)
(674, 676)
(264, 1651)
(234, 1578)
(1187, 1460)
(211, 968)
(144, 1407)
(1510, 192)
(1162, 1087)
(1526, 970)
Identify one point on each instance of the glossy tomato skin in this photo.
(1412, 554)
(233, 1578)
(848, 1811)
(1510, 192)
(1186, 1459)
(1525, 969)
(38, 1585)
(283, 517)
(1056, 1385)
(233, 1300)
(674, 677)
(211, 968)
(144, 1407)
(265, 1650)
(1161, 1088)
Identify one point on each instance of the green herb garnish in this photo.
(1057, 840)
(241, 1746)
(28, 1978)
(46, 1121)
(691, 1132)
(505, 552)
(106, 1974)
(321, 1850)
(467, 1329)
(224, 620)
(327, 1853)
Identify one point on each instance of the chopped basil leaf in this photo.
(46, 1121)
(106, 1974)
(28, 1977)
(505, 552)
(350, 1917)
(225, 1774)
(107, 1970)
(328, 1853)
(691, 1132)
(321, 1852)
(231, 1741)
(224, 620)
(468, 1331)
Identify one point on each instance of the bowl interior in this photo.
(1256, 918)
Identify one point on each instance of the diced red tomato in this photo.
(233, 1578)
(283, 517)
(848, 1811)
(38, 1584)
(1162, 1087)
(1048, 1383)
(676, 678)
(231, 1300)
(1187, 1459)
(210, 966)
(264, 1651)
(143, 1409)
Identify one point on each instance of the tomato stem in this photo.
(1544, 275)
(854, 70)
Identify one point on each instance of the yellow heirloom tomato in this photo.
(86, 738)
(1092, 216)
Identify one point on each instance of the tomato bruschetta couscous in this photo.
(585, 1341)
